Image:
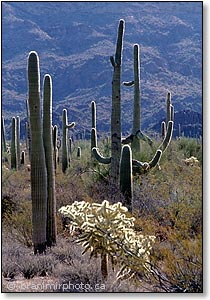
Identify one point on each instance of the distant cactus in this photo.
(48, 147)
(3, 136)
(38, 165)
(22, 159)
(163, 129)
(93, 113)
(18, 140)
(65, 156)
(126, 176)
(28, 131)
(13, 147)
(78, 152)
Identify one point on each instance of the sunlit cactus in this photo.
(38, 164)
(107, 231)
(48, 148)
(65, 154)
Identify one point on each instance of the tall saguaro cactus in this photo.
(18, 140)
(3, 136)
(116, 105)
(65, 155)
(135, 145)
(13, 149)
(38, 165)
(48, 147)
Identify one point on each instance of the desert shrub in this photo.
(18, 224)
(41, 265)
(12, 254)
(8, 206)
(176, 265)
(190, 147)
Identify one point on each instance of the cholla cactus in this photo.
(107, 231)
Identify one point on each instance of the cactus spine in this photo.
(116, 105)
(3, 136)
(38, 165)
(65, 156)
(126, 176)
(14, 144)
(48, 147)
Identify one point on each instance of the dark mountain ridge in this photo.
(74, 41)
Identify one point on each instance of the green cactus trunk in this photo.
(18, 140)
(135, 145)
(14, 145)
(55, 147)
(93, 113)
(3, 136)
(126, 176)
(28, 131)
(65, 154)
(48, 147)
(168, 108)
(116, 106)
(38, 165)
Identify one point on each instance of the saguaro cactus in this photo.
(38, 165)
(126, 176)
(18, 140)
(65, 155)
(116, 105)
(14, 145)
(116, 110)
(48, 147)
(55, 146)
(93, 113)
(3, 136)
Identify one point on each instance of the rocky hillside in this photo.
(74, 41)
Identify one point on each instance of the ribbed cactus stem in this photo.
(3, 136)
(135, 145)
(168, 136)
(13, 146)
(126, 176)
(116, 106)
(55, 148)
(93, 140)
(163, 129)
(168, 108)
(48, 147)
(155, 159)
(28, 131)
(65, 154)
(70, 146)
(93, 114)
(22, 159)
(172, 113)
(38, 165)
(18, 139)
(100, 158)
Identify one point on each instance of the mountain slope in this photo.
(74, 41)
